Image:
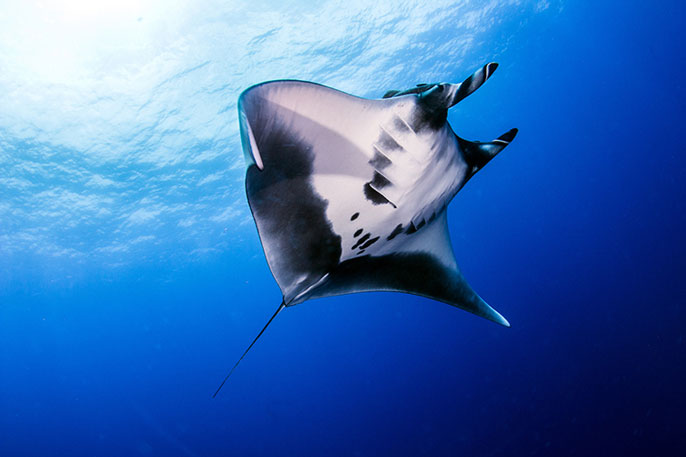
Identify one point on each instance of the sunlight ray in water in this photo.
(131, 271)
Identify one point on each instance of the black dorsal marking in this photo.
(354, 216)
(358, 233)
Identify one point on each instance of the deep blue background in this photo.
(575, 233)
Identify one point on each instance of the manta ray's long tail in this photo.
(281, 306)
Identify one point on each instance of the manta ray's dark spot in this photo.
(361, 252)
(354, 216)
(379, 181)
(374, 196)
(379, 161)
(428, 115)
(396, 231)
(357, 233)
(284, 202)
(364, 238)
(369, 243)
(428, 119)
(387, 142)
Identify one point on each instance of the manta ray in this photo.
(350, 194)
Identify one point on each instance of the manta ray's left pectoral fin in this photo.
(424, 264)
(478, 154)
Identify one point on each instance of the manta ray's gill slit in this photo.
(379, 181)
(357, 233)
(401, 125)
(396, 231)
(387, 142)
(354, 216)
(411, 229)
(375, 197)
(379, 161)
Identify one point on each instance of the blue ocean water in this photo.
(132, 278)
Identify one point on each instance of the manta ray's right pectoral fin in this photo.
(478, 154)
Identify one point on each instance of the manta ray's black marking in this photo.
(379, 181)
(364, 238)
(374, 196)
(396, 231)
(423, 272)
(369, 243)
(282, 198)
(319, 158)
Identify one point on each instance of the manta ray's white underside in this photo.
(350, 194)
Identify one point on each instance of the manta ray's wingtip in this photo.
(504, 322)
(490, 68)
(509, 135)
(495, 316)
(485, 310)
